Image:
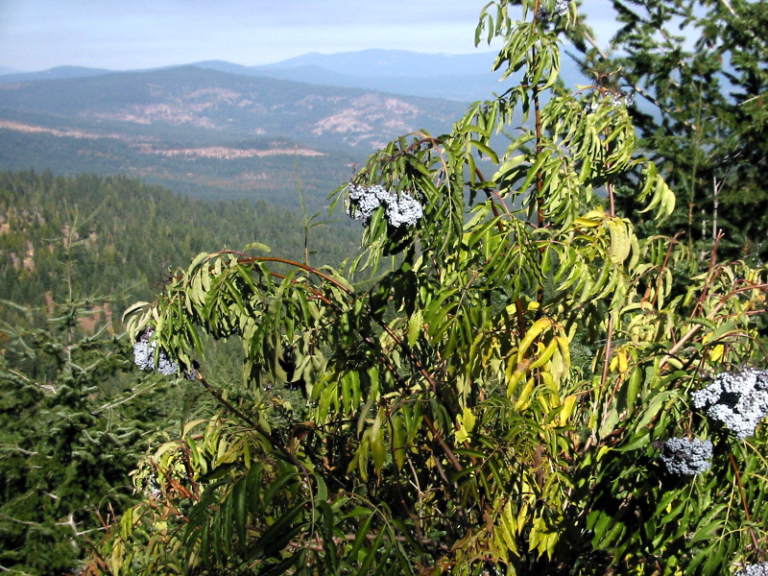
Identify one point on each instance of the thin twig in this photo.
(744, 500)
(694, 329)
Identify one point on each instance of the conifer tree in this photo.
(698, 74)
(68, 438)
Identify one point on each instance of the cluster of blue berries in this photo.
(144, 355)
(684, 457)
(754, 570)
(617, 100)
(737, 401)
(560, 9)
(401, 210)
(144, 350)
(622, 99)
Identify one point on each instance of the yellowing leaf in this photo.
(568, 405)
(257, 246)
(415, 323)
(508, 527)
(716, 353)
(546, 353)
(469, 419)
(524, 399)
(538, 327)
(591, 219)
(465, 423)
(620, 242)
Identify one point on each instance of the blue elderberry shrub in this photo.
(754, 570)
(401, 210)
(684, 457)
(736, 401)
(144, 355)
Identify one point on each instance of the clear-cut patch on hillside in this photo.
(173, 114)
(224, 153)
(366, 111)
(29, 128)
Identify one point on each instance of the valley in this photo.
(207, 133)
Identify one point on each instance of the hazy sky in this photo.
(131, 34)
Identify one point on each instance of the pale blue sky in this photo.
(133, 34)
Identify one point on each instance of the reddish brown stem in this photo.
(707, 282)
(744, 500)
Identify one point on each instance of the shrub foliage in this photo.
(486, 390)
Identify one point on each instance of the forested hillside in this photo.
(207, 133)
(133, 235)
(212, 101)
(256, 169)
(73, 252)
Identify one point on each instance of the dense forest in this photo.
(270, 177)
(131, 234)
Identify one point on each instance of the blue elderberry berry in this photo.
(400, 210)
(737, 402)
(754, 570)
(144, 350)
(684, 457)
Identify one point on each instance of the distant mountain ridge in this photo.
(57, 73)
(205, 132)
(210, 102)
(403, 63)
(459, 77)
(466, 88)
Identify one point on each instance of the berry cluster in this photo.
(401, 210)
(684, 457)
(737, 401)
(560, 9)
(591, 107)
(144, 357)
(617, 100)
(622, 99)
(754, 570)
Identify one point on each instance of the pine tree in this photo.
(67, 439)
(698, 75)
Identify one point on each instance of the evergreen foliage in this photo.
(75, 415)
(698, 70)
(491, 401)
(69, 434)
